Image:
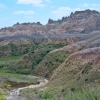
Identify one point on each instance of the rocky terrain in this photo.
(80, 21)
(66, 52)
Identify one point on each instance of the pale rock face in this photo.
(76, 22)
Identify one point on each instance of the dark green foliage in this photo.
(55, 59)
(46, 95)
(86, 80)
(72, 89)
(35, 54)
(63, 90)
(23, 71)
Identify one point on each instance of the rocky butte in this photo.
(77, 22)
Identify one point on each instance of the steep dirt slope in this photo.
(80, 69)
(89, 41)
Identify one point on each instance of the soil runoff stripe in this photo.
(15, 93)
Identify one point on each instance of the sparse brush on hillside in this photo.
(2, 94)
(50, 62)
(15, 50)
(30, 61)
(34, 94)
(89, 93)
(84, 93)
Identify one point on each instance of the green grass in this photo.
(11, 58)
(89, 93)
(50, 62)
(16, 77)
(7, 60)
(36, 94)
(33, 59)
(2, 94)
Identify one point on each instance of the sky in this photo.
(13, 11)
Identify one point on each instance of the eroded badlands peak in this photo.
(24, 28)
(76, 22)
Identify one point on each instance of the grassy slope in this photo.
(7, 60)
(30, 61)
(69, 77)
(78, 70)
(34, 52)
(81, 69)
(50, 62)
(15, 49)
(86, 93)
(16, 77)
(68, 87)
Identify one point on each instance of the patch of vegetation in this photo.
(72, 89)
(15, 50)
(87, 67)
(23, 71)
(33, 59)
(4, 62)
(11, 58)
(37, 95)
(16, 77)
(2, 94)
(50, 63)
(45, 96)
(90, 93)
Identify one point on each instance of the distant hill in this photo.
(78, 22)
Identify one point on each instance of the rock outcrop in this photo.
(75, 23)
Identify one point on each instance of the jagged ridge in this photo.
(76, 22)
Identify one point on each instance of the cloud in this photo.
(30, 12)
(96, 5)
(2, 5)
(33, 2)
(47, 0)
(86, 5)
(63, 11)
(90, 6)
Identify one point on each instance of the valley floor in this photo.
(15, 94)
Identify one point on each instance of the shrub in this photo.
(47, 96)
(86, 79)
(72, 89)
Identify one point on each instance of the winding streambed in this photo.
(15, 94)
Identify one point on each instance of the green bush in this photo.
(23, 71)
(47, 96)
(72, 89)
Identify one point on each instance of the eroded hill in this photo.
(78, 22)
(66, 52)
